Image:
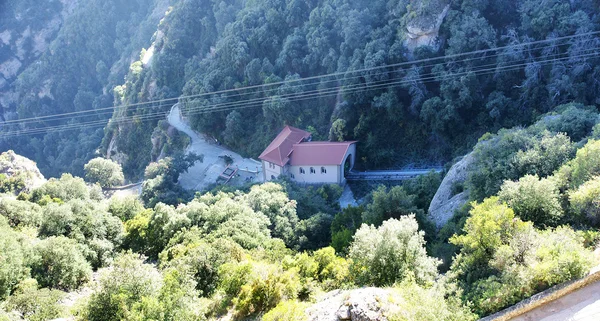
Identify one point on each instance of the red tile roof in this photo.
(278, 152)
(319, 153)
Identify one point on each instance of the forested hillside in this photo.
(85, 88)
(403, 104)
(426, 111)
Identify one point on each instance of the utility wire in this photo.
(408, 63)
(316, 94)
(161, 114)
(96, 112)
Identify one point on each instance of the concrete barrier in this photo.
(545, 297)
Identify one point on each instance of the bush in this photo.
(13, 262)
(585, 165)
(66, 188)
(125, 208)
(36, 304)
(382, 256)
(21, 214)
(533, 199)
(415, 303)
(121, 288)
(504, 260)
(201, 260)
(104, 171)
(287, 311)
(267, 285)
(59, 263)
(585, 201)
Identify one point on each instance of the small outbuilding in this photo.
(293, 154)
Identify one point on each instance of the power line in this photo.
(237, 104)
(346, 79)
(316, 94)
(409, 63)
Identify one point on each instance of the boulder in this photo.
(366, 304)
(444, 202)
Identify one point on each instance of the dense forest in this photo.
(86, 85)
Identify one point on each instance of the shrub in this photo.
(36, 304)
(13, 267)
(586, 164)
(66, 188)
(287, 311)
(59, 263)
(533, 199)
(585, 201)
(104, 171)
(382, 256)
(266, 286)
(20, 213)
(125, 208)
(120, 288)
(504, 260)
(415, 303)
(202, 261)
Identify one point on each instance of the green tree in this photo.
(122, 288)
(36, 304)
(13, 265)
(58, 263)
(585, 201)
(104, 171)
(533, 199)
(385, 255)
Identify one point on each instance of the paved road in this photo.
(202, 174)
(580, 305)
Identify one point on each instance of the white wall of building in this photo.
(331, 175)
(271, 170)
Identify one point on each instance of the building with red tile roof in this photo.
(293, 154)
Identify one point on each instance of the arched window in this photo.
(312, 170)
(292, 175)
(272, 176)
(323, 170)
(302, 171)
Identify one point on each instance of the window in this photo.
(312, 170)
(271, 165)
(323, 170)
(302, 171)
(272, 176)
(292, 175)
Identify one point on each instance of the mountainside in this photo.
(428, 111)
(133, 108)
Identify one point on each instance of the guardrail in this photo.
(390, 175)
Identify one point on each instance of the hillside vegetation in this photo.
(513, 84)
(271, 251)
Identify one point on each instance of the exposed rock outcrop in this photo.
(367, 304)
(12, 164)
(445, 201)
(423, 29)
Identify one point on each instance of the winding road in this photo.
(205, 173)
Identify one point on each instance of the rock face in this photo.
(367, 304)
(22, 44)
(12, 164)
(423, 29)
(444, 203)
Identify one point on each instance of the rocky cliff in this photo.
(449, 196)
(25, 34)
(12, 164)
(423, 27)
